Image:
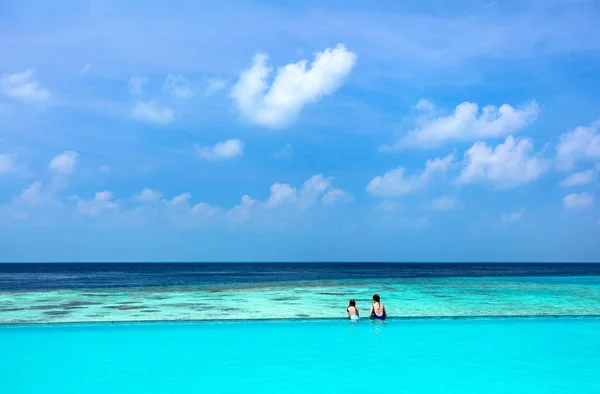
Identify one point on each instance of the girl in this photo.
(352, 310)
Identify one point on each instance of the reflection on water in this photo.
(378, 331)
(424, 297)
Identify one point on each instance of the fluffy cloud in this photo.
(39, 194)
(178, 87)
(22, 86)
(336, 195)
(228, 149)
(33, 194)
(64, 164)
(136, 85)
(579, 179)
(294, 86)
(150, 112)
(181, 212)
(148, 195)
(102, 201)
(6, 163)
(512, 216)
(509, 165)
(178, 200)
(580, 144)
(467, 123)
(283, 204)
(578, 200)
(281, 193)
(444, 203)
(314, 189)
(425, 105)
(243, 211)
(396, 183)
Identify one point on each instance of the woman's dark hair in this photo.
(352, 303)
(376, 297)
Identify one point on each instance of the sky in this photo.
(300, 131)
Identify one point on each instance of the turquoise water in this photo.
(403, 297)
(540, 355)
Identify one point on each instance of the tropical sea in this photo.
(69, 293)
(468, 328)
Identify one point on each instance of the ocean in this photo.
(49, 276)
(75, 293)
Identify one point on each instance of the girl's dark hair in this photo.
(352, 303)
(376, 297)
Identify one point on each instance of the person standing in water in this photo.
(377, 311)
(352, 310)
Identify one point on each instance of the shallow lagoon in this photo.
(405, 297)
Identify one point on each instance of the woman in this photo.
(377, 311)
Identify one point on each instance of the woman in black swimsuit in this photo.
(377, 311)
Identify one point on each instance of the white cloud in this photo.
(243, 211)
(64, 164)
(396, 183)
(285, 153)
(104, 169)
(284, 204)
(336, 195)
(425, 105)
(294, 86)
(205, 209)
(7, 163)
(312, 189)
(316, 188)
(148, 195)
(280, 193)
(228, 149)
(85, 69)
(579, 179)
(102, 201)
(178, 200)
(150, 112)
(38, 194)
(467, 123)
(182, 213)
(136, 85)
(512, 216)
(580, 144)
(178, 87)
(33, 194)
(509, 165)
(578, 200)
(214, 85)
(444, 203)
(22, 86)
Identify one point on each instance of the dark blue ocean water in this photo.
(14, 277)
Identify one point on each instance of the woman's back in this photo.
(377, 309)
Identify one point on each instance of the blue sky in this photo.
(299, 131)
